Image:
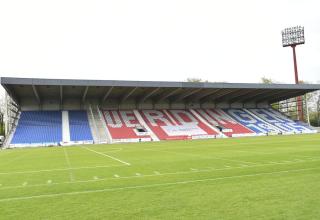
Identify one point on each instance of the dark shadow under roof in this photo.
(19, 88)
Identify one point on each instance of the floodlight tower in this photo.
(292, 37)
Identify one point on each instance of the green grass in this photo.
(274, 177)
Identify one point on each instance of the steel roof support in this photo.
(85, 93)
(124, 98)
(226, 96)
(286, 96)
(61, 95)
(107, 94)
(169, 94)
(218, 95)
(257, 94)
(187, 94)
(36, 94)
(237, 97)
(144, 98)
(203, 95)
(265, 97)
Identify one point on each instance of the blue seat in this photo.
(79, 126)
(38, 127)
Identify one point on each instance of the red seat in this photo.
(122, 124)
(217, 117)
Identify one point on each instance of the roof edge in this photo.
(164, 84)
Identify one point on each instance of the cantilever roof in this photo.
(19, 88)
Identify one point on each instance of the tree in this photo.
(196, 80)
(2, 111)
(314, 108)
(266, 80)
(1, 124)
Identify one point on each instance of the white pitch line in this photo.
(106, 155)
(209, 169)
(62, 169)
(150, 185)
(248, 143)
(200, 156)
(69, 165)
(114, 150)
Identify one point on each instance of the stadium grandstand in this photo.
(49, 112)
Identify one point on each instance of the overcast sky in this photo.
(171, 40)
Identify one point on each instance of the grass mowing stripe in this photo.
(59, 169)
(247, 141)
(69, 165)
(156, 173)
(151, 185)
(204, 157)
(13, 160)
(5, 152)
(106, 155)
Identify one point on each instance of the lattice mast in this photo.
(292, 37)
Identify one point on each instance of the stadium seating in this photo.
(46, 127)
(79, 126)
(252, 122)
(176, 124)
(227, 125)
(38, 127)
(280, 121)
(125, 125)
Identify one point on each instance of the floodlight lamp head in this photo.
(293, 36)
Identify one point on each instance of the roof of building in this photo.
(40, 89)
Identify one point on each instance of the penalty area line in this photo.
(150, 185)
(106, 155)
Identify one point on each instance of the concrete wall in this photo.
(250, 105)
(208, 105)
(192, 105)
(50, 105)
(163, 105)
(29, 105)
(177, 105)
(76, 104)
(72, 104)
(222, 105)
(236, 105)
(263, 105)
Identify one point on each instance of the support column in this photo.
(299, 99)
(65, 127)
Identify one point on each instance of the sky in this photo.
(167, 40)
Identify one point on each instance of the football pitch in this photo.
(275, 177)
